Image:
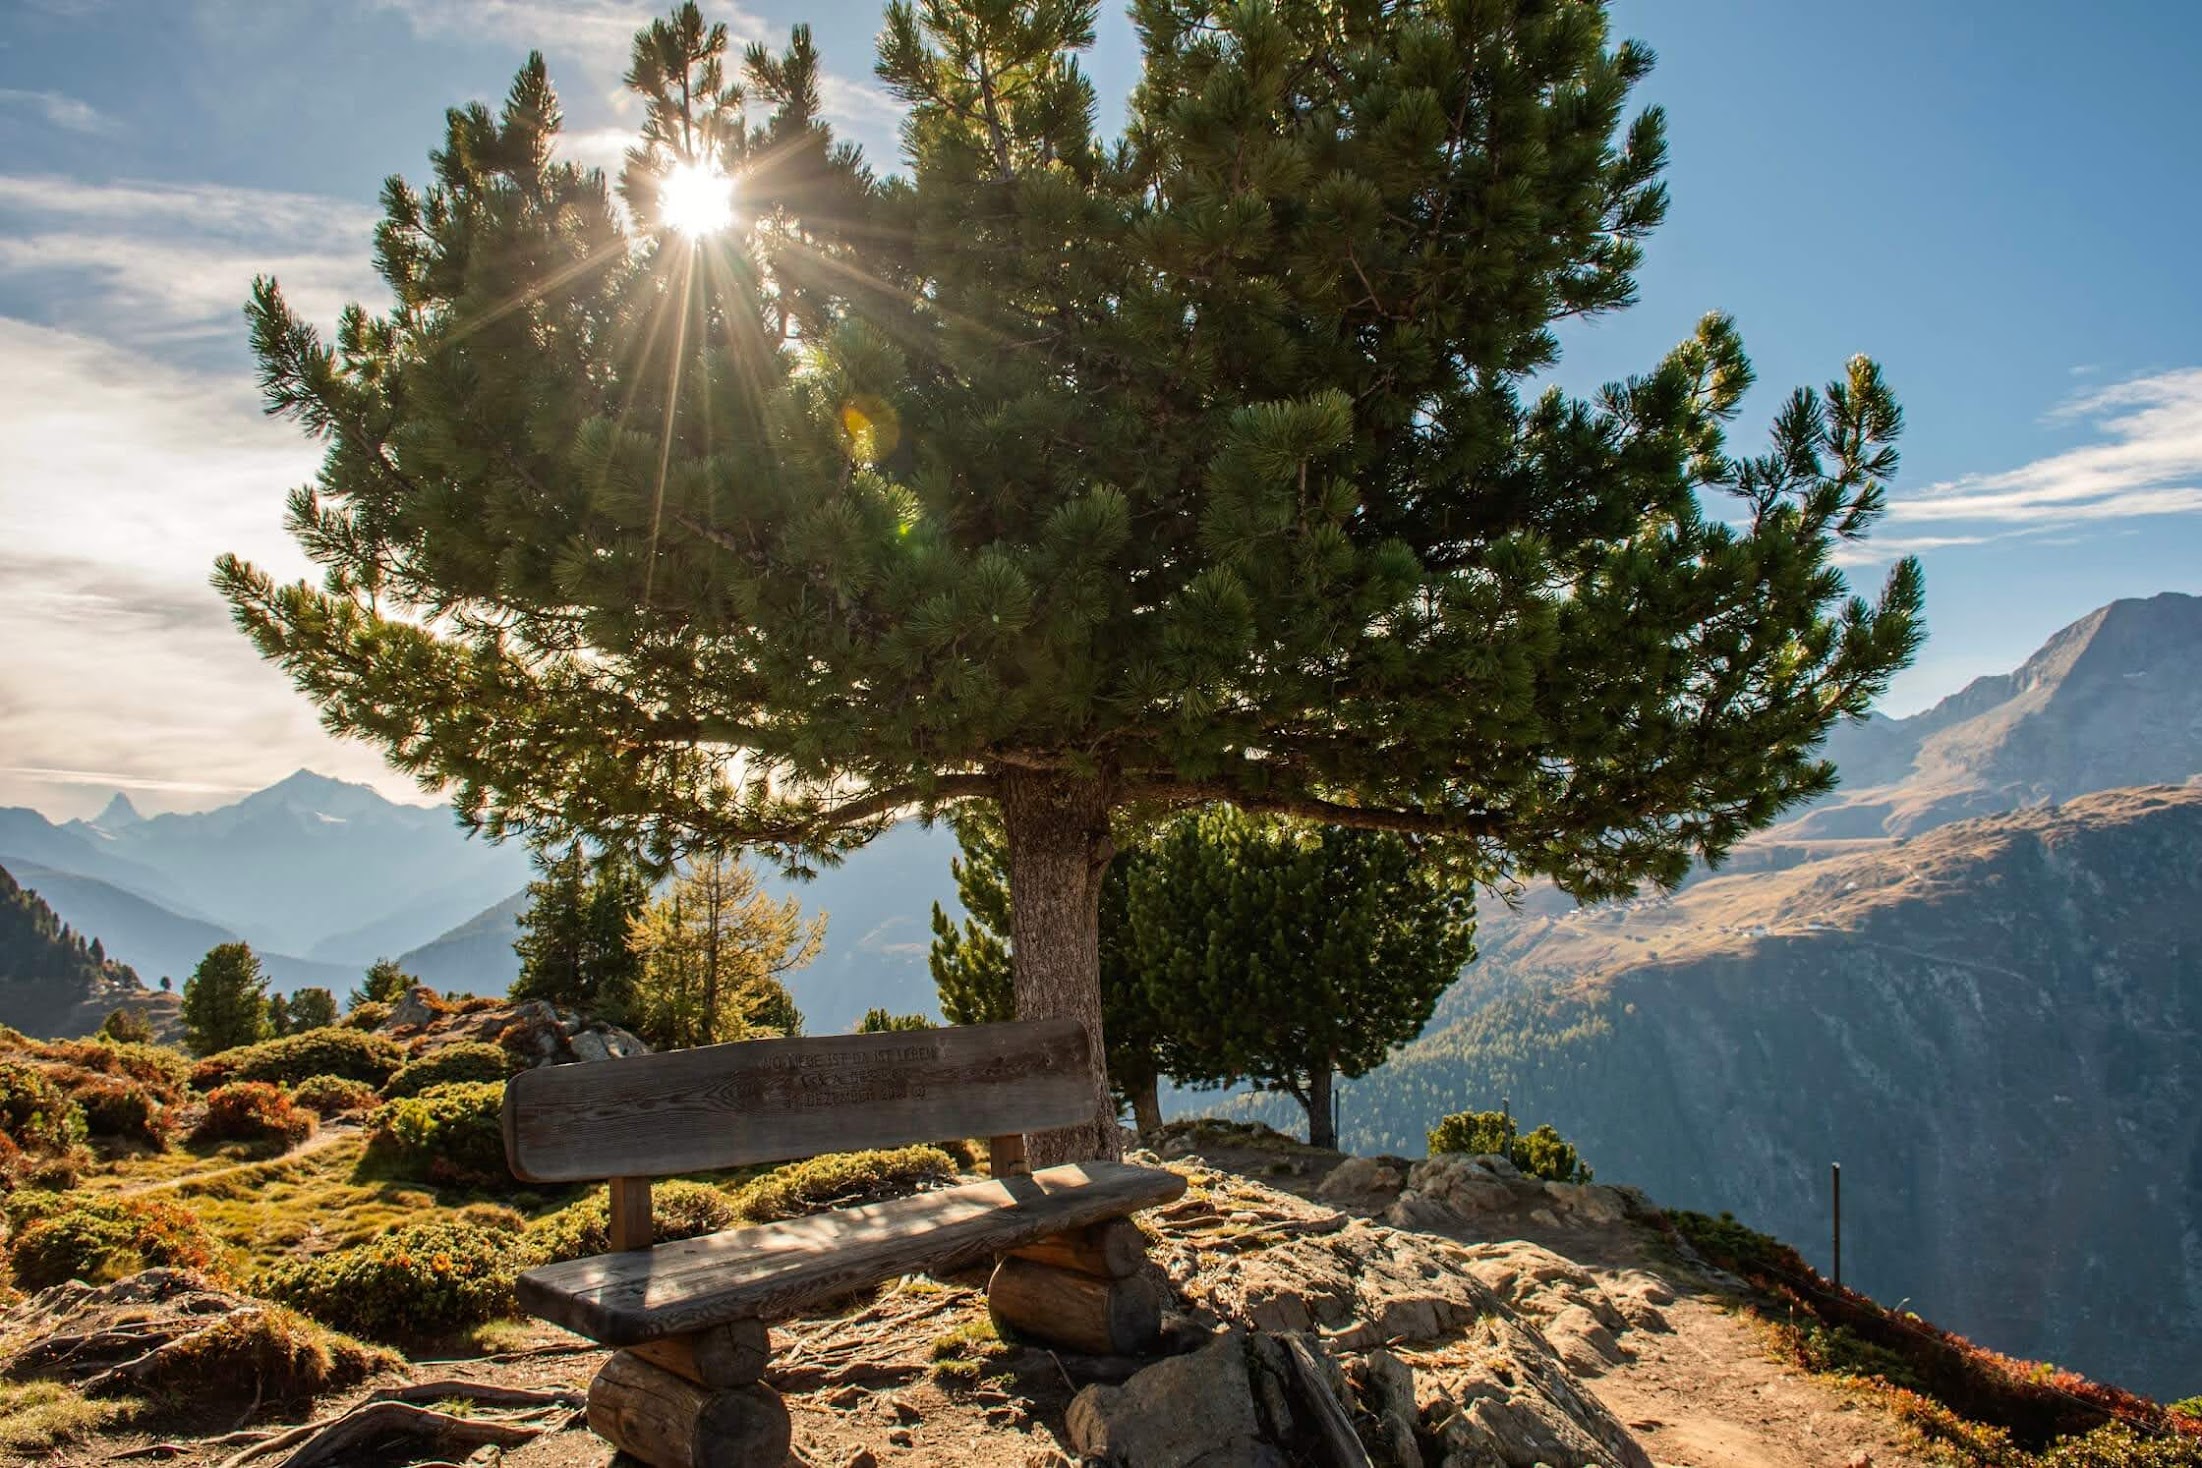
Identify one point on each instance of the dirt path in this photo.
(325, 1138)
(1707, 1396)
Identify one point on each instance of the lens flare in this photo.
(696, 199)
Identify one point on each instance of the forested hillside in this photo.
(51, 976)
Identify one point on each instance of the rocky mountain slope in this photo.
(1994, 1022)
(2113, 700)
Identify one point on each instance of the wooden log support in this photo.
(1005, 1156)
(668, 1422)
(1078, 1312)
(631, 1226)
(733, 1354)
(1112, 1250)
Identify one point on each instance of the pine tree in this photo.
(1204, 465)
(225, 1001)
(715, 952)
(574, 934)
(1289, 955)
(385, 983)
(972, 963)
(311, 1009)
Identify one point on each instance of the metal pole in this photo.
(1837, 1172)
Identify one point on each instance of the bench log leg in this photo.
(670, 1422)
(1112, 1250)
(734, 1354)
(1089, 1313)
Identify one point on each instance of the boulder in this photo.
(1358, 1177)
(1196, 1409)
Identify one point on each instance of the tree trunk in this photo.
(1147, 1106)
(1322, 1130)
(1057, 830)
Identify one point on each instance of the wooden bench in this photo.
(686, 1390)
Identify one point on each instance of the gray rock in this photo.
(1359, 1176)
(1196, 1409)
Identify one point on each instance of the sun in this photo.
(696, 199)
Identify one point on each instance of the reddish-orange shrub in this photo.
(253, 1111)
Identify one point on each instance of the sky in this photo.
(1997, 202)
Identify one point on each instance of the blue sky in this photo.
(1998, 202)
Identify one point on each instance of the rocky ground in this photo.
(1445, 1313)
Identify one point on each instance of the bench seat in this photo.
(775, 1270)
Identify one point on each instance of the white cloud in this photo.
(60, 110)
(2147, 461)
(125, 479)
(150, 263)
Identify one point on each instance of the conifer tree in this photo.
(1287, 955)
(225, 1001)
(971, 962)
(311, 1008)
(1207, 464)
(384, 983)
(574, 934)
(715, 953)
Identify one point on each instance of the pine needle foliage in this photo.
(1207, 463)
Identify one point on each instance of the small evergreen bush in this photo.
(330, 1051)
(453, 1133)
(841, 1178)
(365, 1015)
(164, 1071)
(1542, 1153)
(35, 1112)
(327, 1096)
(418, 1280)
(124, 1110)
(67, 1236)
(468, 1061)
(253, 1112)
(678, 1210)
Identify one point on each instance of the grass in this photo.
(962, 1353)
(38, 1417)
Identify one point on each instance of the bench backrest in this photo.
(775, 1100)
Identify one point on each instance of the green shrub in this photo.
(1543, 1153)
(469, 1061)
(126, 1026)
(365, 1015)
(164, 1071)
(1477, 1133)
(124, 1110)
(422, 1279)
(841, 1178)
(253, 1112)
(60, 1237)
(327, 1096)
(330, 1051)
(447, 1134)
(678, 1210)
(35, 1112)
(2118, 1446)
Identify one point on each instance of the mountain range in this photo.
(320, 876)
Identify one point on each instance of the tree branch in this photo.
(1327, 812)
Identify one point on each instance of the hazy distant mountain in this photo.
(475, 957)
(2113, 700)
(308, 866)
(156, 941)
(879, 906)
